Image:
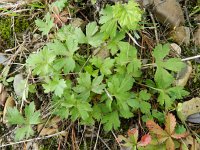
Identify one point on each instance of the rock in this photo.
(3, 59)
(194, 118)
(147, 3)
(20, 86)
(184, 75)
(188, 108)
(176, 49)
(181, 35)
(168, 12)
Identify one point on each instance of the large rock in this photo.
(169, 13)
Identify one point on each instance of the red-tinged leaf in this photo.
(162, 139)
(179, 136)
(155, 128)
(133, 134)
(170, 123)
(170, 144)
(120, 138)
(132, 131)
(145, 140)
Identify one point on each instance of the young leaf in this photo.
(162, 77)
(81, 109)
(109, 26)
(177, 92)
(140, 101)
(128, 15)
(93, 38)
(85, 85)
(104, 65)
(41, 62)
(46, 26)
(161, 51)
(14, 116)
(114, 42)
(128, 56)
(69, 32)
(32, 116)
(55, 85)
(97, 86)
(22, 132)
(110, 121)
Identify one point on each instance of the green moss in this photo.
(6, 30)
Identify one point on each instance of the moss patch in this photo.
(6, 30)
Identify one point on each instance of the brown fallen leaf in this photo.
(50, 128)
(9, 103)
(3, 97)
(48, 131)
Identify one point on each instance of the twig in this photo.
(34, 139)
(24, 96)
(108, 94)
(15, 11)
(145, 66)
(95, 146)
(116, 138)
(189, 23)
(104, 143)
(10, 5)
(190, 58)
(82, 136)
(85, 64)
(155, 27)
(132, 38)
(20, 3)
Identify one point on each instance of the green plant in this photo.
(46, 26)
(25, 122)
(91, 87)
(164, 79)
(110, 78)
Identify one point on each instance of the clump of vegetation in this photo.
(6, 29)
(96, 75)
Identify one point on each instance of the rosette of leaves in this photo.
(167, 135)
(127, 15)
(132, 141)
